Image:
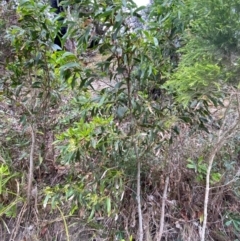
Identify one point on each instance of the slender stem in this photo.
(163, 209)
(65, 223)
(138, 161)
(31, 166)
(222, 138)
(140, 219)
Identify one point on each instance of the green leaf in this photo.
(228, 223)
(94, 143)
(45, 202)
(121, 111)
(70, 65)
(155, 41)
(108, 204)
(68, 54)
(37, 84)
(215, 177)
(191, 166)
(236, 225)
(91, 214)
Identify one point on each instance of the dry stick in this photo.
(17, 223)
(161, 224)
(220, 142)
(31, 166)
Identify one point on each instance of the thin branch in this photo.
(228, 183)
(139, 194)
(31, 166)
(223, 136)
(138, 160)
(15, 231)
(65, 223)
(161, 225)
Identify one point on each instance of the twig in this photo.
(17, 223)
(226, 184)
(161, 224)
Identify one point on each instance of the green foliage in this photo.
(35, 76)
(200, 168)
(199, 80)
(233, 219)
(8, 197)
(83, 138)
(186, 47)
(210, 53)
(4, 177)
(31, 78)
(216, 22)
(91, 192)
(109, 130)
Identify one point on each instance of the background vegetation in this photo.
(136, 138)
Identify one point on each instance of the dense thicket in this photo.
(134, 139)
